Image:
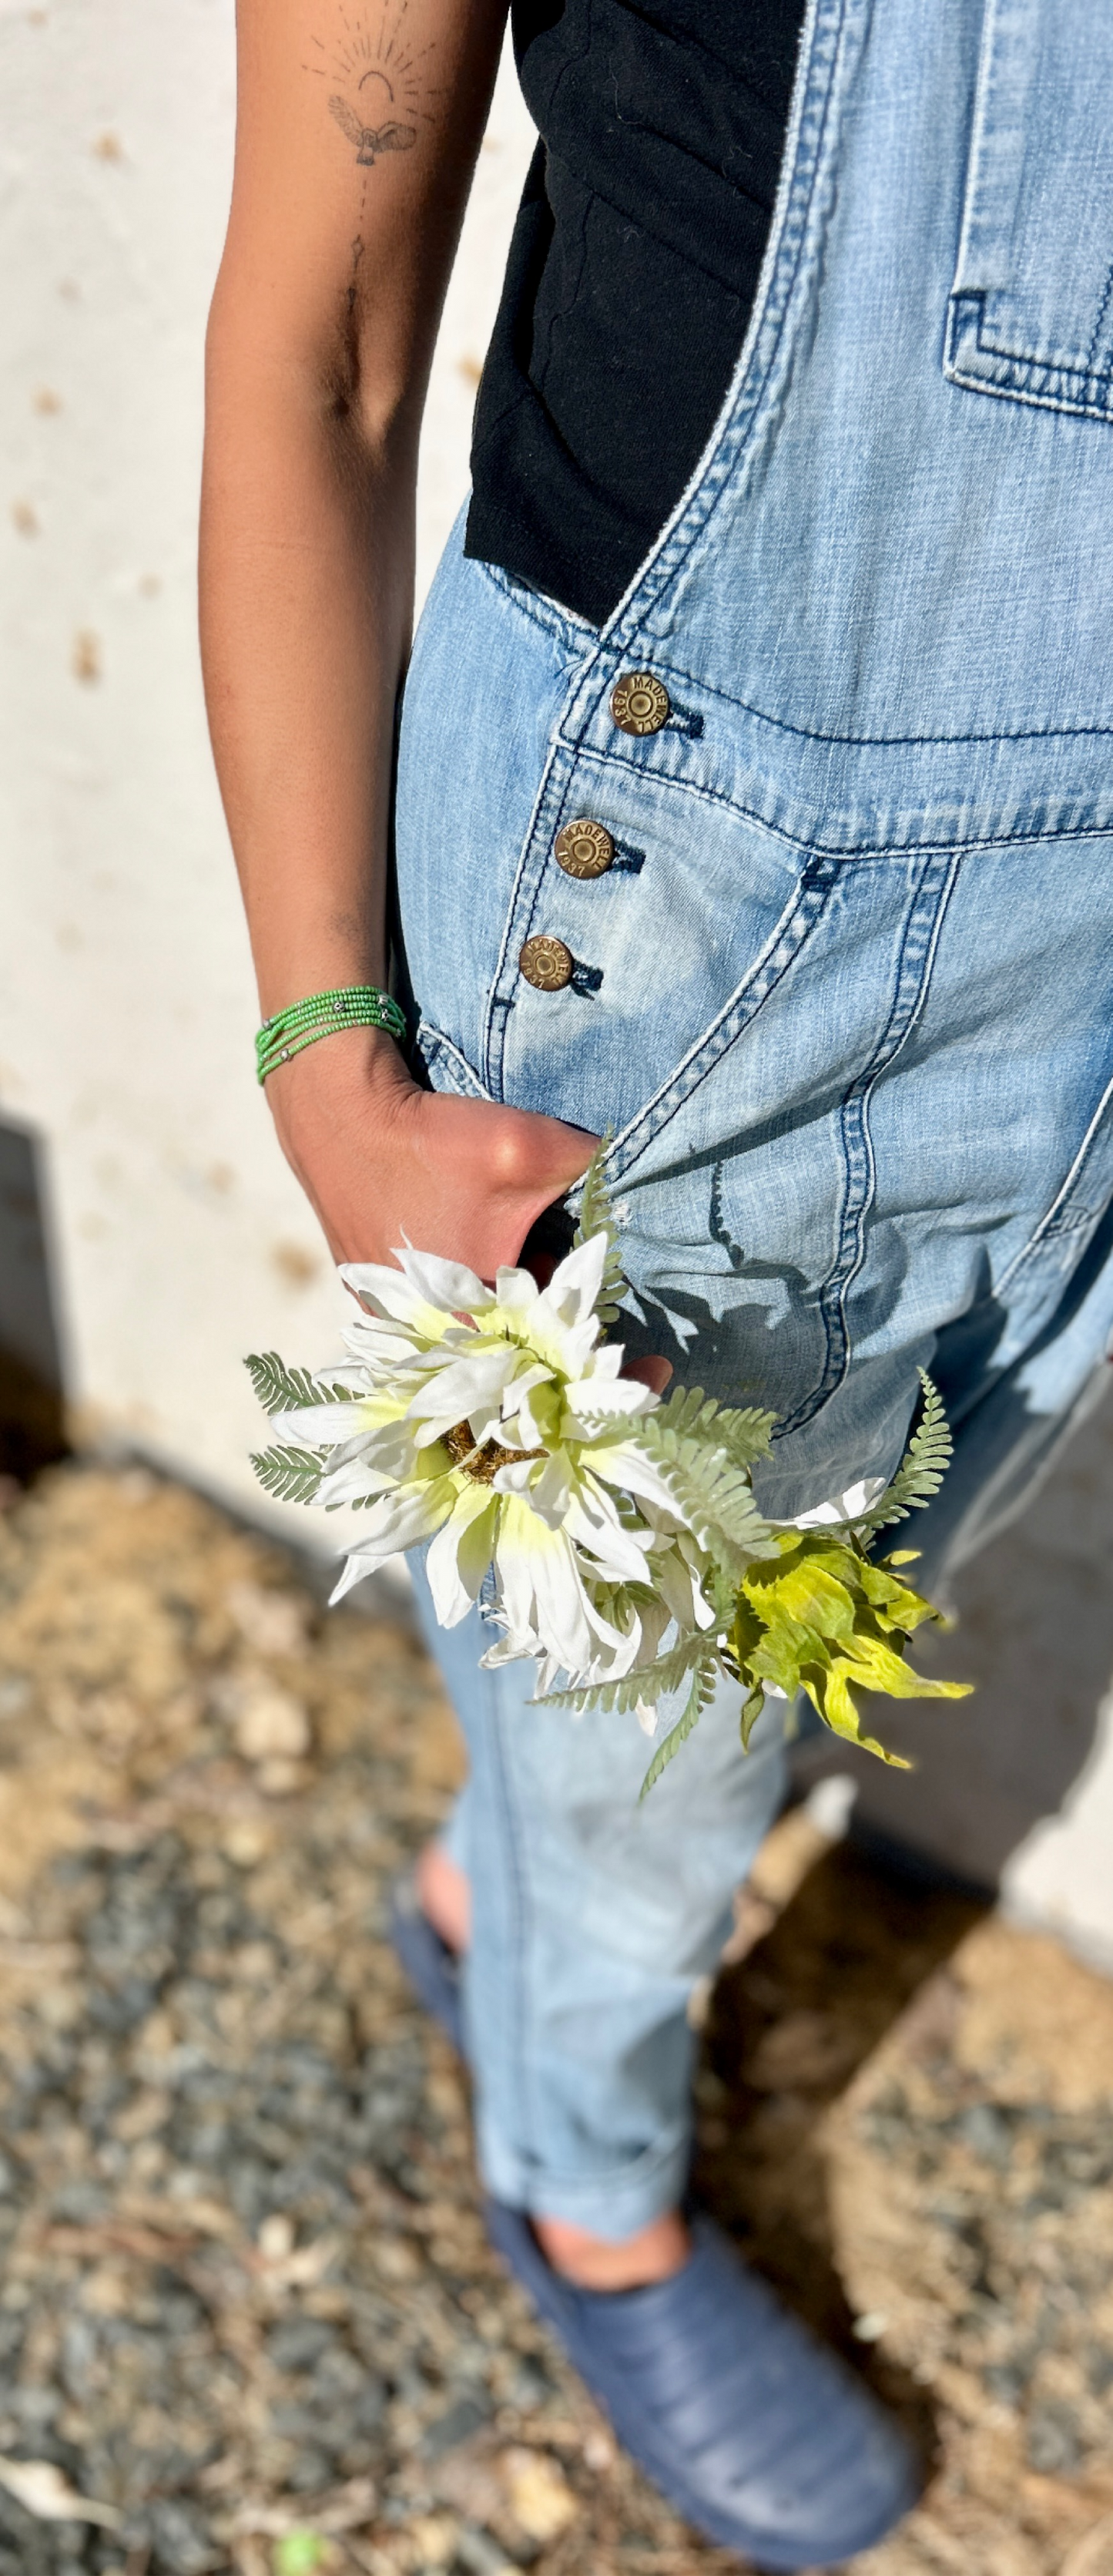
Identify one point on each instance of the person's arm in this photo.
(357, 130)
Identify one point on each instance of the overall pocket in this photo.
(1072, 1229)
(1030, 315)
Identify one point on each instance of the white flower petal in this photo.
(522, 1430)
(623, 1463)
(395, 1523)
(527, 1374)
(509, 1650)
(591, 1404)
(575, 1284)
(621, 1556)
(606, 1362)
(847, 1507)
(545, 1485)
(388, 1292)
(378, 1346)
(516, 1290)
(324, 1425)
(353, 1482)
(457, 1389)
(460, 1555)
(447, 1284)
(562, 1610)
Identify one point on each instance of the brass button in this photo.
(639, 703)
(584, 849)
(547, 963)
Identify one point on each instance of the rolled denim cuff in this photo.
(613, 2204)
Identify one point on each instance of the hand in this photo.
(382, 1160)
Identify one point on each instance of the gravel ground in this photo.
(248, 2320)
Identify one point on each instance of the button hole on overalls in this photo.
(585, 979)
(630, 861)
(681, 720)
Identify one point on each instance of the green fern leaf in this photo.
(651, 1683)
(685, 1409)
(597, 1217)
(278, 1388)
(291, 1475)
(921, 1470)
(710, 1493)
(704, 1680)
(742, 1434)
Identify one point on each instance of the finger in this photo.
(654, 1371)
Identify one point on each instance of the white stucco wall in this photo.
(126, 1001)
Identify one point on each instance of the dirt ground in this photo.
(248, 2320)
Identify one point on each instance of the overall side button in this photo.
(546, 963)
(640, 703)
(584, 849)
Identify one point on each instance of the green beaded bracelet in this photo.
(322, 1015)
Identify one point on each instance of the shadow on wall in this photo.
(1035, 1635)
(32, 1428)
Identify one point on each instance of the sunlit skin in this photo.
(357, 129)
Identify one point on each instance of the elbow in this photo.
(345, 376)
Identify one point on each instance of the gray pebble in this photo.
(1053, 2441)
(467, 2416)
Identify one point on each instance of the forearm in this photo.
(306, 587)
(357, 131)
(356, 135)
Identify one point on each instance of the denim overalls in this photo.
(843, 994)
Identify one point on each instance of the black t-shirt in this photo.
(631, 277)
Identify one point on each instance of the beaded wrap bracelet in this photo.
(322, 1015)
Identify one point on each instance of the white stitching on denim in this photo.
(1062, 1195)
(913, 980)
(432, 1042)
(804, 909)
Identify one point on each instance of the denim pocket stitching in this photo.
(465, 1082)
(1049, 1227)
(915, 962)
(1003, 245)
(808, 838)
(1099, 325)
(805, 908)
(1013, 375)
(652, 652)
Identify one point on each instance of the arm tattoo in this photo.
(377, 90)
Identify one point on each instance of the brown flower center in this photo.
(481, 1464)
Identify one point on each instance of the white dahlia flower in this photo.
(621, 1533)
(494, 1422)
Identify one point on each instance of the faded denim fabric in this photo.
(844, 999)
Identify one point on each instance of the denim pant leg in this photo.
(593, 1917)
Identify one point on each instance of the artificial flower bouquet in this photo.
(610, 1534)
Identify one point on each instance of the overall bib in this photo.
(842, 994)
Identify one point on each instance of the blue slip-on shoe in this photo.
(755, 2432)
(432, 1968)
